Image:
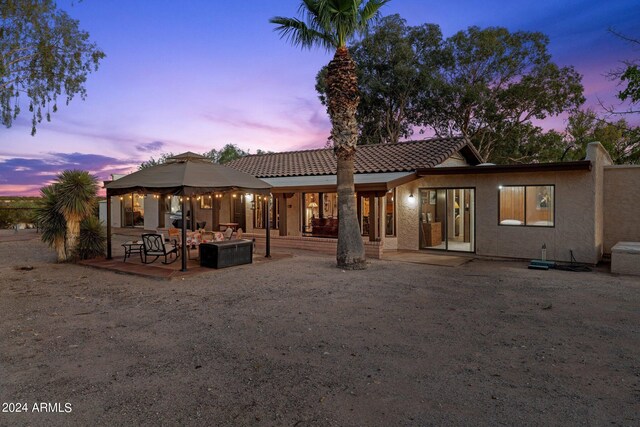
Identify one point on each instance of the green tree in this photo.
(229, 152)
(226, 154)
(331, 24)
(493, 82)
(620, 139)
(51, 221)
(628, 76)
(396, 62)
(43, 55)
(155, 162)
(76, 198)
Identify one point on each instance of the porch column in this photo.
(382, 222)
(268, 227)
(108, 225)
(215, 213)
(184, 232)
(373, 222)
(282, 205)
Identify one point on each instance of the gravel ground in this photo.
(300, 342)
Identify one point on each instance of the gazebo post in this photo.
(108, 225)
(184, 233)
(268, 227)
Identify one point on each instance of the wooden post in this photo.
(268, 227)
(184, 233)
(282, 204)
(373, 229)
(382, 214)
(108, 225)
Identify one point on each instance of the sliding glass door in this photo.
(447, 219)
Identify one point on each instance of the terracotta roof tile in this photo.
(400, 157)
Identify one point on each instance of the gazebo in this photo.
(186, 175)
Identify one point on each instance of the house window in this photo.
(261, 203)
(390, 217)
(205, 202)
(531, 205)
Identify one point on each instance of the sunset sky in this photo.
(196, 75)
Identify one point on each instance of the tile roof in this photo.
(400, 157)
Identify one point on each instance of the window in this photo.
(389, 209)
(205, 202)
(261, 207)
(531, 205)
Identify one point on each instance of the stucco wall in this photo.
(574, 215)
(621, 205)
(150, 213)
(599, 159)
(116, 214)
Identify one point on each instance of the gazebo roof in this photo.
(187, 174)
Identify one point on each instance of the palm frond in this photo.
(76, 194)
(300, 34)
(51, 222)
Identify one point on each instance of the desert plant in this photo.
(51, 222)
(76, 197)
(92, 241)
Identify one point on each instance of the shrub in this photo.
(92, 241)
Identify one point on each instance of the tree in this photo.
(621, 140)
(51, 221)
(155, 162)
(396, 63)
(628, 75)
(493, 83)
(226, 154)
(229, 152)
(76, 199)
(331, 24)
(43, 55)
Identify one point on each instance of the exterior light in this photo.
(499, 187)
(411, 196)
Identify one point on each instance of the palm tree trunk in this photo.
(342, 100)
(61, 252)
(73, 232)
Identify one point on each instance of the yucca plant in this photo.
(51, 222)
(331, 24)
(93, 239)
(76, 197)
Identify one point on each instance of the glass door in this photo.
(447, 219)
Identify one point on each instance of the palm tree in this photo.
(51, 222)
(331, 24)
(76, 199)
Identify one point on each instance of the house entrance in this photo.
(447, 219)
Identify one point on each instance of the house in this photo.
(434, 194)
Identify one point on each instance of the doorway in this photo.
(447, 219)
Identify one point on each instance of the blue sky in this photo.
(196, 75)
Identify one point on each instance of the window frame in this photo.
(526, 188)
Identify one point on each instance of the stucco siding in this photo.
(574, 215)
(621, 205)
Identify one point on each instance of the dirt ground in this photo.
(300, 342)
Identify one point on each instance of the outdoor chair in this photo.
(153, 245)
(239, 234)
(228, 232)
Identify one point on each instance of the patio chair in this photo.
(239, 234)
(153, 245)
(228, 232)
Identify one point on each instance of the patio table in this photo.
(132, 247)
(231, 225)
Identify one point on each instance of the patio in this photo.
(157, 270)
